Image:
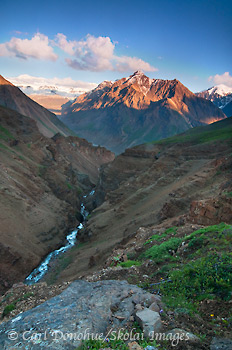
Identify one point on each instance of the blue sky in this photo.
(106, 40)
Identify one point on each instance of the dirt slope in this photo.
(47, 122)
(152, 184)
(41, 183)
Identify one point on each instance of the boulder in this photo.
(176, 335)
(221, 344)
(154, 307)
(149, 321)
(83, 310)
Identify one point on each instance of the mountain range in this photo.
(137, 109)
(221, 96)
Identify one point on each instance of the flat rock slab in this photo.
(83, 310)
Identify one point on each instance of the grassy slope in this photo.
(221, 130)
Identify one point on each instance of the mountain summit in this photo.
(221, 96)
(135, 110)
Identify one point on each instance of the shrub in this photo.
(130, 263)
(70, 187)
(215, 228)
(210, 276)
(171, 230)
(8, 309)
(197, 242)
(159, 253)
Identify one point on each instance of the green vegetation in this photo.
(206, 278)
(171, 230)
(70, 187)
(8, 309)
(5, 134)
(164, 251)
(228, 194)
(130, 263)
(12, 306)
(101, 344)
(214, 228)
(26, 296)
(221, 130)
(201, 270)
(212, 237)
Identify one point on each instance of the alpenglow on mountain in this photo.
(221, 96)
(135, 110)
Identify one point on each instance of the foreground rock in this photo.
(82, 310)
(150, 321)
(221, 344)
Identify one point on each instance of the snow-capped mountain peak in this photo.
(220, 95)
(220, 89)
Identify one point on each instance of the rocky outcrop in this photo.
(211, 211)
(84, 309)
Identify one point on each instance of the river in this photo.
(71, 239)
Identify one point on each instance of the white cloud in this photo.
(65, 45)
(126, 63)
(97, 54)
(225, 79)
(37, 47)
(94, 54)
(39, 85)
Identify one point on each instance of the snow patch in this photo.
(220, 89)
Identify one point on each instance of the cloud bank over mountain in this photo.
(224, 78)
(39, 85)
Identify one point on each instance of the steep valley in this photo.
(160, 219)
(171, 183)
(41, 185)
